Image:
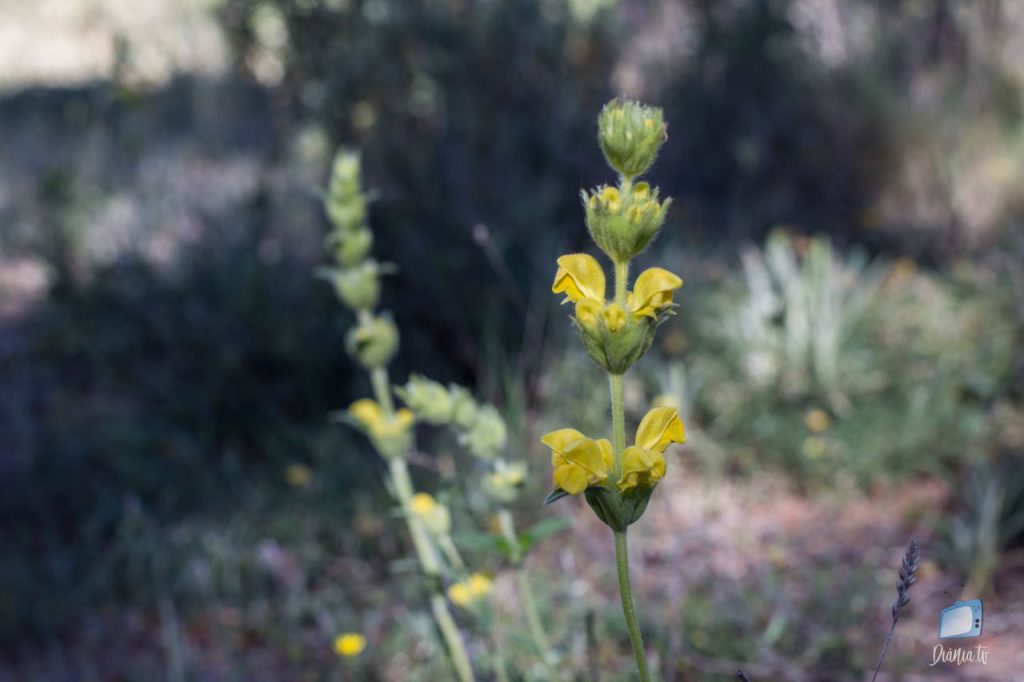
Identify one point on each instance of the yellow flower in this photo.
(580, 277)
(371, 416)
(435, 516)
(349, 644)
(652, 292)
(423, 504)
(467, 592)
(643, 463)
(817, 421)
(578, 461)
(298, 475)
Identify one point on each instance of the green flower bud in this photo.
(485, 438)
(357, 286)
(614, 339)
(623, 221)
(350, 247)
(345, 203)
(631, 135)
(429, 400)
(464, 408)
(373, 342)
(504, 483)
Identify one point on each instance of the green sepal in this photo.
(617, 511)
(554, 496)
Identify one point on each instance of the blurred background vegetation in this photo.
(849, 183)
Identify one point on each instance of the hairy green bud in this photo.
(464, 408)
(631, 135)
(345, 203)
(429, 400)
(350, 247)
(357, 286)
(485, 437)
(624, 220)
(614, 339)
(373, 342)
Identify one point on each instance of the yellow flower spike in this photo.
(578, 462)
(349, 644)
(579, 276)
(652, 292)
(614, 317)
(469, 591)
(641, 467)
(658, 428)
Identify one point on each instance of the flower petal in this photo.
(561, 439)
(579, 276)
(652, 291)
(658, 428)
(587, 455)
(570, 478)
(607, 453)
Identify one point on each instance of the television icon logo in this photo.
(961, 620)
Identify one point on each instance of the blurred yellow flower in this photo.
(817, 421)
(349, 644)
(467, 592)
(423, 504)
(652, 292)
(643, 464)
(371, 416)
(435, 516)
(298, 475)
(578, 461)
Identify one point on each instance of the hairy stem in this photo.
(401, 483)
(626, 592)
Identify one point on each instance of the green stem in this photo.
(533, 621)
(622, 564)
(401, 483)
(618, 421)
(621, 283)
(450, 632)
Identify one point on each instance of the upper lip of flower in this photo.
(579, 276)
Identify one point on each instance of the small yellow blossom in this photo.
(298, 475)
(349, 644)
(817, 421)
(435, 516)
(370, 415)
(423, 504)
(652, 292)
(578, 461)
(467, 592)
(643, 463)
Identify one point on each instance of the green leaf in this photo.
(554, 496)
(544, 529)
(477, 541)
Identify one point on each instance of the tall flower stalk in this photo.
(372, 343)
(482, 431)
(617, 480)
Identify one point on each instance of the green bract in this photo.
(631, 135)
(374, 341)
